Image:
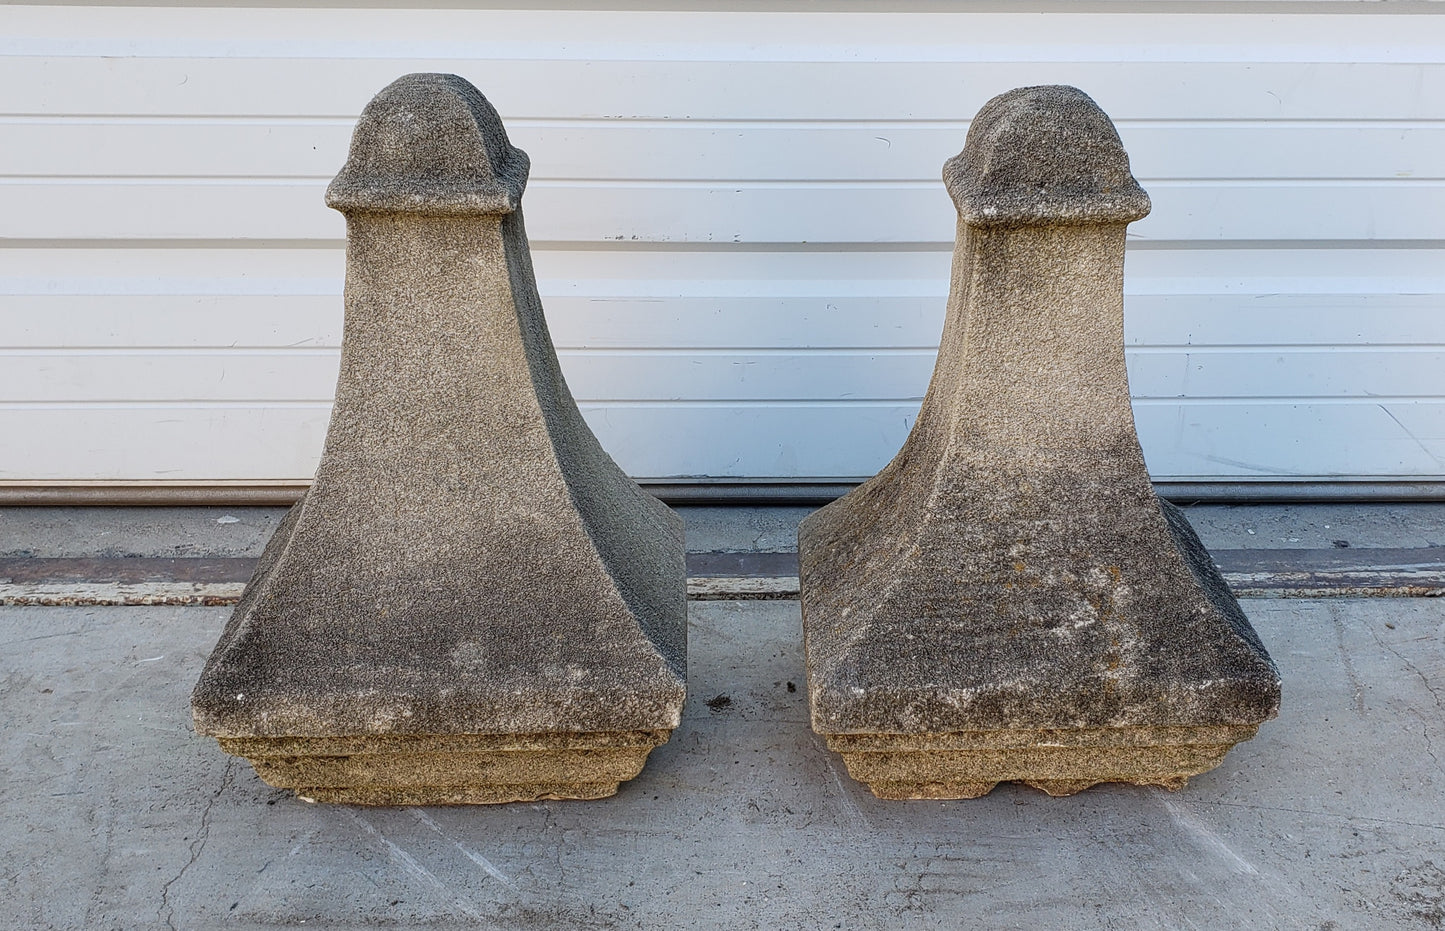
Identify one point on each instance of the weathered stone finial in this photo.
(472, 603)
(1043, 156)
(1008, 599)
(431, 145)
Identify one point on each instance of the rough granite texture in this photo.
(472, 603)
(1008, 599)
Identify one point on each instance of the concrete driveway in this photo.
(113, 815)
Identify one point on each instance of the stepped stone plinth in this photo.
(1009, 599)
(472, 603)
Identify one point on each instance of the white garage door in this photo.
(738, 225)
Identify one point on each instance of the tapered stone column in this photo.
(472, 603)
(1008, 599)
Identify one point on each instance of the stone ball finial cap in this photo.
(1043, 156)
(430, 144)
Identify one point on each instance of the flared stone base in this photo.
(465, 769)
(1059, 762)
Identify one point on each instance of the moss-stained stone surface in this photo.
(472, 597)
(1009, 587)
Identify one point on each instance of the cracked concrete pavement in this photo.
(115, 816)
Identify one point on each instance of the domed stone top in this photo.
(1043, 156)
(430, 144)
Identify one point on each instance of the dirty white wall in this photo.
(737, 220)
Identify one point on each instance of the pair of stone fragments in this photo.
(474, 604)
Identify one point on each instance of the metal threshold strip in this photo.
(1251, 573)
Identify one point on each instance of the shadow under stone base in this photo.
(465, 769)
(1059, 762)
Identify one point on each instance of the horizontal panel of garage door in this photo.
(739, 228)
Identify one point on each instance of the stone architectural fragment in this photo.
(472, 603)
(1008, 599)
